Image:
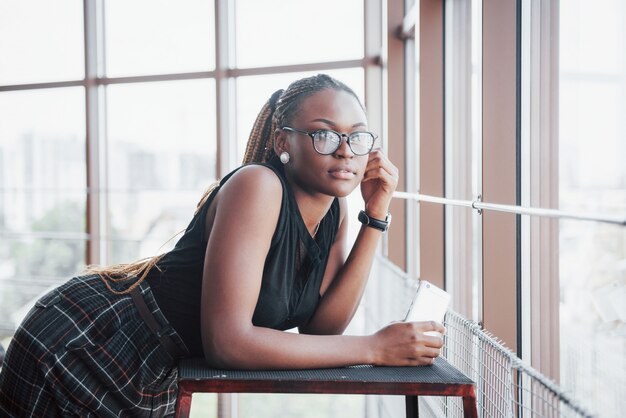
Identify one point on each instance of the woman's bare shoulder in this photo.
(254, 185)
(256, 176)
(251, 189)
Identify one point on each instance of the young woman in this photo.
(265, 252)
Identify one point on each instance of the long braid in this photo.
(260, 138)
(279, 110)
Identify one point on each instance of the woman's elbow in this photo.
(222, 349)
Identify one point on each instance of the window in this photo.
(160, 156)
(33, 34)
(42, 195)
(531, 129)
(463, 146)
(106, 165)
(297, 32)
(159, 37)
(592, 177)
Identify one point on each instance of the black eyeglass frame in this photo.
(341, 136)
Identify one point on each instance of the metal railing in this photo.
(479, 205)
(505, 385)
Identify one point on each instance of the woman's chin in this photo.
(343, 191)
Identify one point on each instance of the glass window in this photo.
(42, 195)
(463, 114)
(592, 178)
(34, 35)
(152, 37)
(160, 158)
(298, 31)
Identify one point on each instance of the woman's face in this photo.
(336, 174)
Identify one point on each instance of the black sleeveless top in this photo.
(292, 275)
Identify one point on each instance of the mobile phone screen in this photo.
(429, 304)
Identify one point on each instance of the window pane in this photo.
(254, 91)
(463, 42)
(161, 157)
(592, 177)
(42, 158)
(30, 267)
(277, 32)
(143, 224)
(36, 211)
(158, 36)
(42, 195)
(41, 41)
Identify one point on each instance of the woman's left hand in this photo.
(378, 184)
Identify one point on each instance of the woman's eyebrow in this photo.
(331, 123)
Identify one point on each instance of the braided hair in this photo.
(280, 110)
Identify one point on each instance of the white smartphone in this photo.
(429, 304)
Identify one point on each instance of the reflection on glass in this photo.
(301, 31)
(161, 157)
(158, 36)
(592, 147)
(34, 35)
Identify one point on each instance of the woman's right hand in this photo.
(406, 344)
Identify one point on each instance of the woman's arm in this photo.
(245, 219)
(344, 280)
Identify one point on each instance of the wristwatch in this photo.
(375, 223)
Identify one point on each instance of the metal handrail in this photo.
(520, 210)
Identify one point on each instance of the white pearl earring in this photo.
(284, 157)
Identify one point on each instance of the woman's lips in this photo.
(342, 173)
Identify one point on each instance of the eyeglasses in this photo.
(326, 142)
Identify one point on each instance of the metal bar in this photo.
(521, 210)
(433, 199)
(316, 66)
(93, 37)
(15, 235)
(224, 39)
(412, 407)
(231, 72)
(50, 85)
(407, 30)
(551, 213)
(152, 78)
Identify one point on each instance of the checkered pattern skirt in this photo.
(84, 351)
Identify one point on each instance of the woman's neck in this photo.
(313, 206)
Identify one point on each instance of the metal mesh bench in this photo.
(440, 379)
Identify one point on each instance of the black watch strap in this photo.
(375, 223)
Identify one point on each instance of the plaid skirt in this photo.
(85, 351)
